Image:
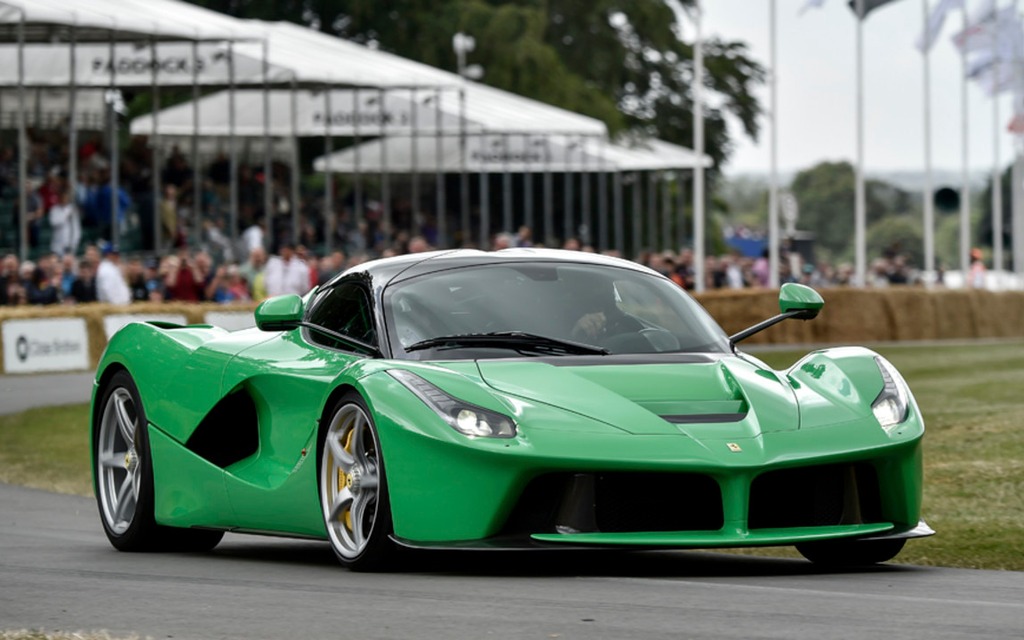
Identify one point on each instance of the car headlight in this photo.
(468, 419)
(892, 404)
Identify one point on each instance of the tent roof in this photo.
(486, 109)
(103, 20)
(320, 58)
(506, 153)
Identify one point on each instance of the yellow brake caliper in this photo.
(343, 481)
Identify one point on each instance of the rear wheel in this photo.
(123, 476)
(850, 553)
(353, 488)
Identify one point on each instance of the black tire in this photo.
(346, 478)
(850, 553)
(124, 493)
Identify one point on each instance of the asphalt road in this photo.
(21, 392)
(58, 572)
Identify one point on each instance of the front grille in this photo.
(618, 502)
(815, 496)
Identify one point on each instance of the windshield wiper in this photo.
(517, 340)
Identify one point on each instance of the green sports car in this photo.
(516, 399)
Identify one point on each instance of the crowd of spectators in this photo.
(197, 261)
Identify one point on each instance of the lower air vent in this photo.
(815, 496)
(617, 502)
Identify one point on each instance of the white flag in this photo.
(1000, 31)
(811, 4)
(935, 21)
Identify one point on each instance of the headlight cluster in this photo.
(467, 419)
(891, 405)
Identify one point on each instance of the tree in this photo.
(621, 62)
(825, 195)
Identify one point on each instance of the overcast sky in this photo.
(817, 91)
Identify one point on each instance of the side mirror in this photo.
(795, 301)
(799, 300)
(280, 313)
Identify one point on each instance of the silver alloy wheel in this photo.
(118, 463)
(349, 480)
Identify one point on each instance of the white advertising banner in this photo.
(45, 344)
(112, 324)
(231, 320)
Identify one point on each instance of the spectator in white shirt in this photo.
(67, 227)
(286, 273)
(110, 283)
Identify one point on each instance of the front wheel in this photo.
(353, 488)
(123, 476)
(850, 553)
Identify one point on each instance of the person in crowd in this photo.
(110, 283)
(976, 272)
(101, 204)
(83, 289)
(136, 278)
(169, 223)
(331, 265)
(182, 280)
(154, 281)
(253, 237)
(286, 273)
(66, 223)
(38, 285)
(252, 270)
(68, 273)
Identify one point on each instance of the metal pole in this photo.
(549, 195)
(506, 188)
(357, 144)
(330, 219)
(413, 168)
(296, 160)
(602, 202)
(567, 216)
(485, 197)
(268, 167)
(385, 184)
(928, 201)
(637, 216)
(439, 186)
(22, 147)
(464, 222)
(72, 116)
(115, 156)
(154, 88)
(965, 188)
(666, 211)
(197, 179)
(652, 211)
(698, 146)
(528, 144)
(997, 186)
(586, 219)
(773, 133)
(620, 226)
(860, 202)
(681, 224)
(232, 148)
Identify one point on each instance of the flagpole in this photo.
(928, 197)
(965, 187)
(997, 191)
(860, 215)
(773, 189)
(698, 147)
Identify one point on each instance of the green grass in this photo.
(972, 398)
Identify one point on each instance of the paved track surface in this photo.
(58, 572)
(18, 393)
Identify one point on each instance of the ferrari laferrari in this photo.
(516, 399)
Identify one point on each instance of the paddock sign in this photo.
(45, 344)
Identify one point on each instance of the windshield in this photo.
(614, 310)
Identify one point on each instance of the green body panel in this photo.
(444, 486)
(718, 538)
